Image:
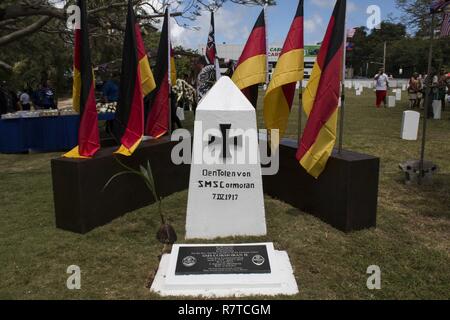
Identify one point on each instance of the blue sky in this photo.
(234, 22)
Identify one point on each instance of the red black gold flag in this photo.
(158, 116)
(321, 97)
(84, 92)
(289, 70)
(251, 69)
(135, 83)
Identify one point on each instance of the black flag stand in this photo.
(427, 101)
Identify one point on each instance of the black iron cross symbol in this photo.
(225, 140)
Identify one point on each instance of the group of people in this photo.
(415, 91)
(436, 85)
(439, 84)
(41, 98)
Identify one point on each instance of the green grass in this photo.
(411, 243)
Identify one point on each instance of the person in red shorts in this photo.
(382, 86)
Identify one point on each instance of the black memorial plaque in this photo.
(222, 260)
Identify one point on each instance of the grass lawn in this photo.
(411, 243)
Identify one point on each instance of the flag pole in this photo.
(342, 113)
(269, 142)
(267, 42)
(427, 101)
(300, 99)
(169, 69)
(216, 57)
(300, 110)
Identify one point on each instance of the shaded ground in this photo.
(411, 243)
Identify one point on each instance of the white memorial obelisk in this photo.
(225, 190)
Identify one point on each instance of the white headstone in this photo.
(225, 190)
(359, 89)
(404, 87)
(410, 125)
(437, 109)
(398, 94)
(391, 101)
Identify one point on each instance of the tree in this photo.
(417, 15)
(403, 51)
(184, 59)
(26, 52)
(37, 56)
(367, 55)
(21, 18)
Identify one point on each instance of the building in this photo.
(228, 52)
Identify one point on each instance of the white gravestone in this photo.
(359, 89)
(225, 190)
(398, 94)
(391, 101)
(437, 109)
(410, 125)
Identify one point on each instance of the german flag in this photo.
(136, 82)
(289, 70)
(251, 69)
(158, 116)
(321, 97)
(83, 95)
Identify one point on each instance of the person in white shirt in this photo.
(382, 85)
(25, 101)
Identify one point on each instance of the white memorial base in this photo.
(280, 281)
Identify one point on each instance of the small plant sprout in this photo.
(166, 233)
